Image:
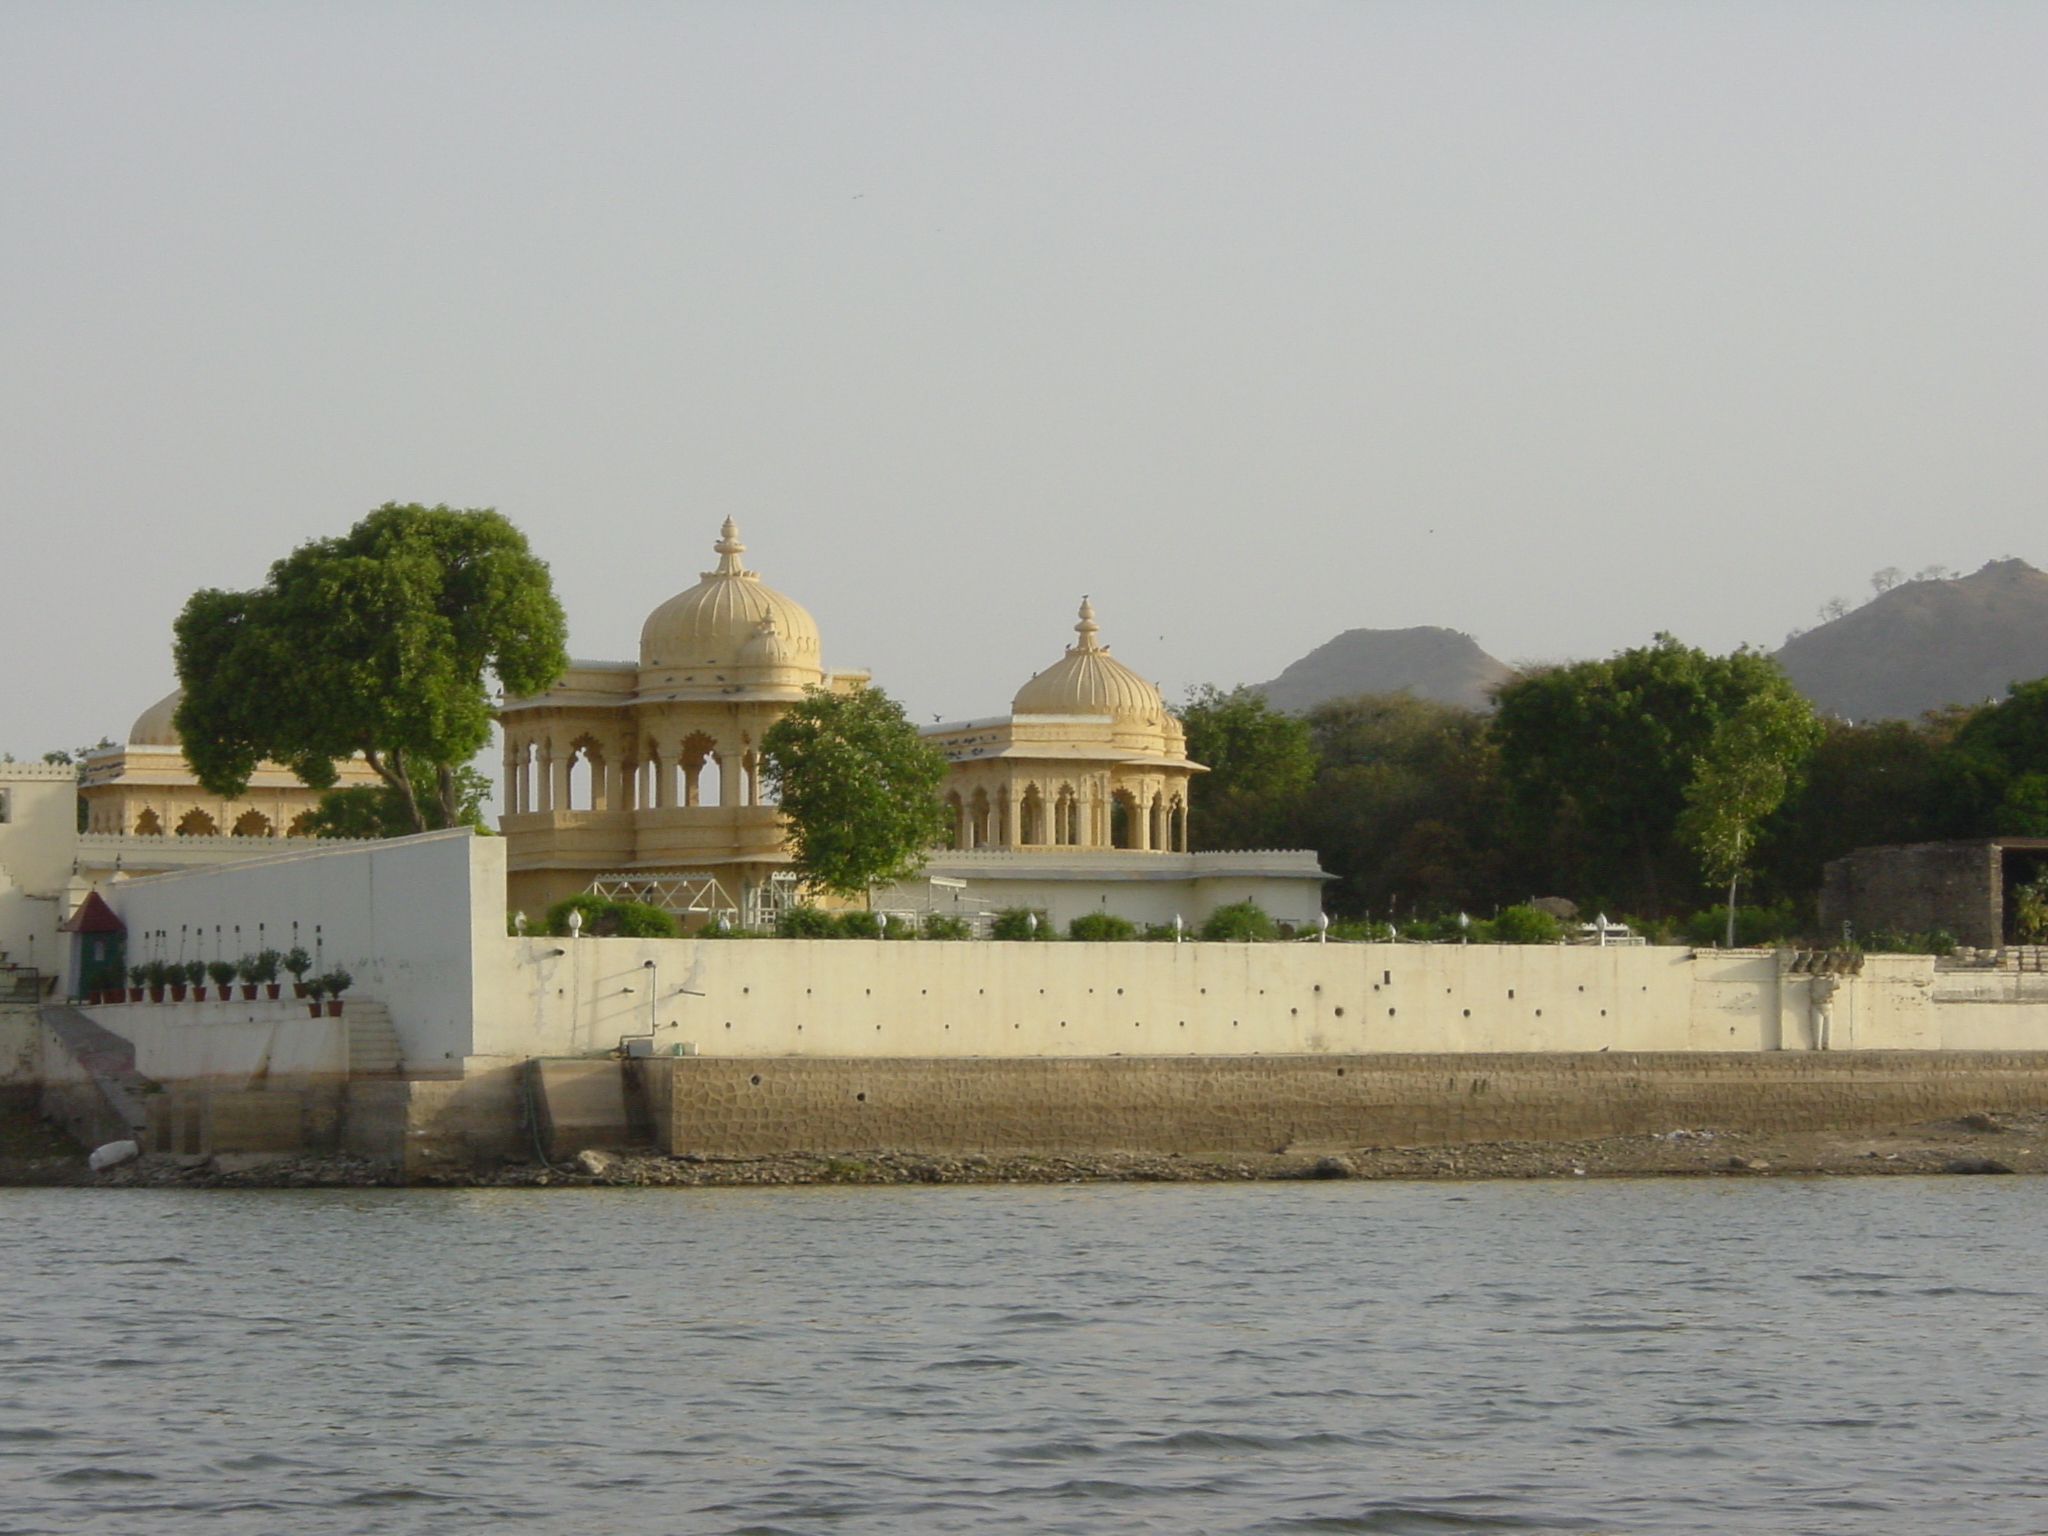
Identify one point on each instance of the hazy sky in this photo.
(1556, 323)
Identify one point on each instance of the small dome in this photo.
(153, 726)
(1089, 681)
(714, 623)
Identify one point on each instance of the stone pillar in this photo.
(544, 778)
(728, 778)
(664, 780)
(512, 806)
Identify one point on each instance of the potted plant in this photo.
(138, 977)
(223, 974)
(195, 976)
(262, 970)
(334, 983)
(312, 991)
(298, 962)
(174, 978)
(153, 975)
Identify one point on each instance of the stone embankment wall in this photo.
(1264, 1104)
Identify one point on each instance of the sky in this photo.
(1557, 323)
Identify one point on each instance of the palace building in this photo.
(643, 779)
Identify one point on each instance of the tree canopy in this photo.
(1260, 761)
(1596, 758)
(381, 642)
(858, 788)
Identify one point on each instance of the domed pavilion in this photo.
(1088, 757)
(143, 787)
(644, 777)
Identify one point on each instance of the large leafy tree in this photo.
(858, 788)
(1740, 778)
(1596, 758)
(1405, 808)
(1260, 761)
(1996, 779)
(382, 642)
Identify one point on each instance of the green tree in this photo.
(1996, 774)
(1260, 761)
(858, 788)
(1595, 758)
(382, 642)
(1740, 778)
(1405, 809)
(1881, 782)
(375, 810)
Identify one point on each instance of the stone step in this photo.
(373, 1045)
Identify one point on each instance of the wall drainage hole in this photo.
(755, 1079)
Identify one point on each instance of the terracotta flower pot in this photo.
(248, 991)
(313, 1007)
(177, 991)
(334, 1007)
(271, 989)
(298, 989)
(135, 994)
(156, 994)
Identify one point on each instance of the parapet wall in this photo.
(1213, 1104)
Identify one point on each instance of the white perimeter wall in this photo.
(901, 998)
(402, 916)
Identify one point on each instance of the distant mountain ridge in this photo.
(1427, 661)
(1924, 644)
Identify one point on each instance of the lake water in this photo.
(1859, 1356)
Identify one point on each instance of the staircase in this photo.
(373, 1048)
(19, 983)
(109, 1104)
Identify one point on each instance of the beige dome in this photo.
(713, 623)
(1089, 681)
(153, 726)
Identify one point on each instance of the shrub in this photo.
(1161, 933)
(857, 924)
(1361, 933)
(1883, 941)
(1018, 923)
(1524, 924)
(222, 971)
(807, 923)
(298, 962)
(335, 982)
(261, 966)
(194, 971)
(606, 917)
(1101, 928)
(1239, 923)
(943, 925)
(1755, 927)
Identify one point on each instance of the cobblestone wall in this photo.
(1220, 1104)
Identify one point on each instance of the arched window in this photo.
(196, 823)
(252, 824)
(978, 820)
(1031, 818)
(149, 824)
(1123, 820)
(699, 760)
(302, 825)
(956, 836)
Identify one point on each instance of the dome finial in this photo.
(729, 550)
(1087, 628)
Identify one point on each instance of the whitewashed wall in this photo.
(852, 998)
(402, 916)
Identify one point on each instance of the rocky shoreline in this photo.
(1974, 1144)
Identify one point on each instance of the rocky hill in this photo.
(1428, 662)
(1924, 644)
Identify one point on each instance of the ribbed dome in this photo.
(1089, 681)
(153, 726)
(712, 624)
